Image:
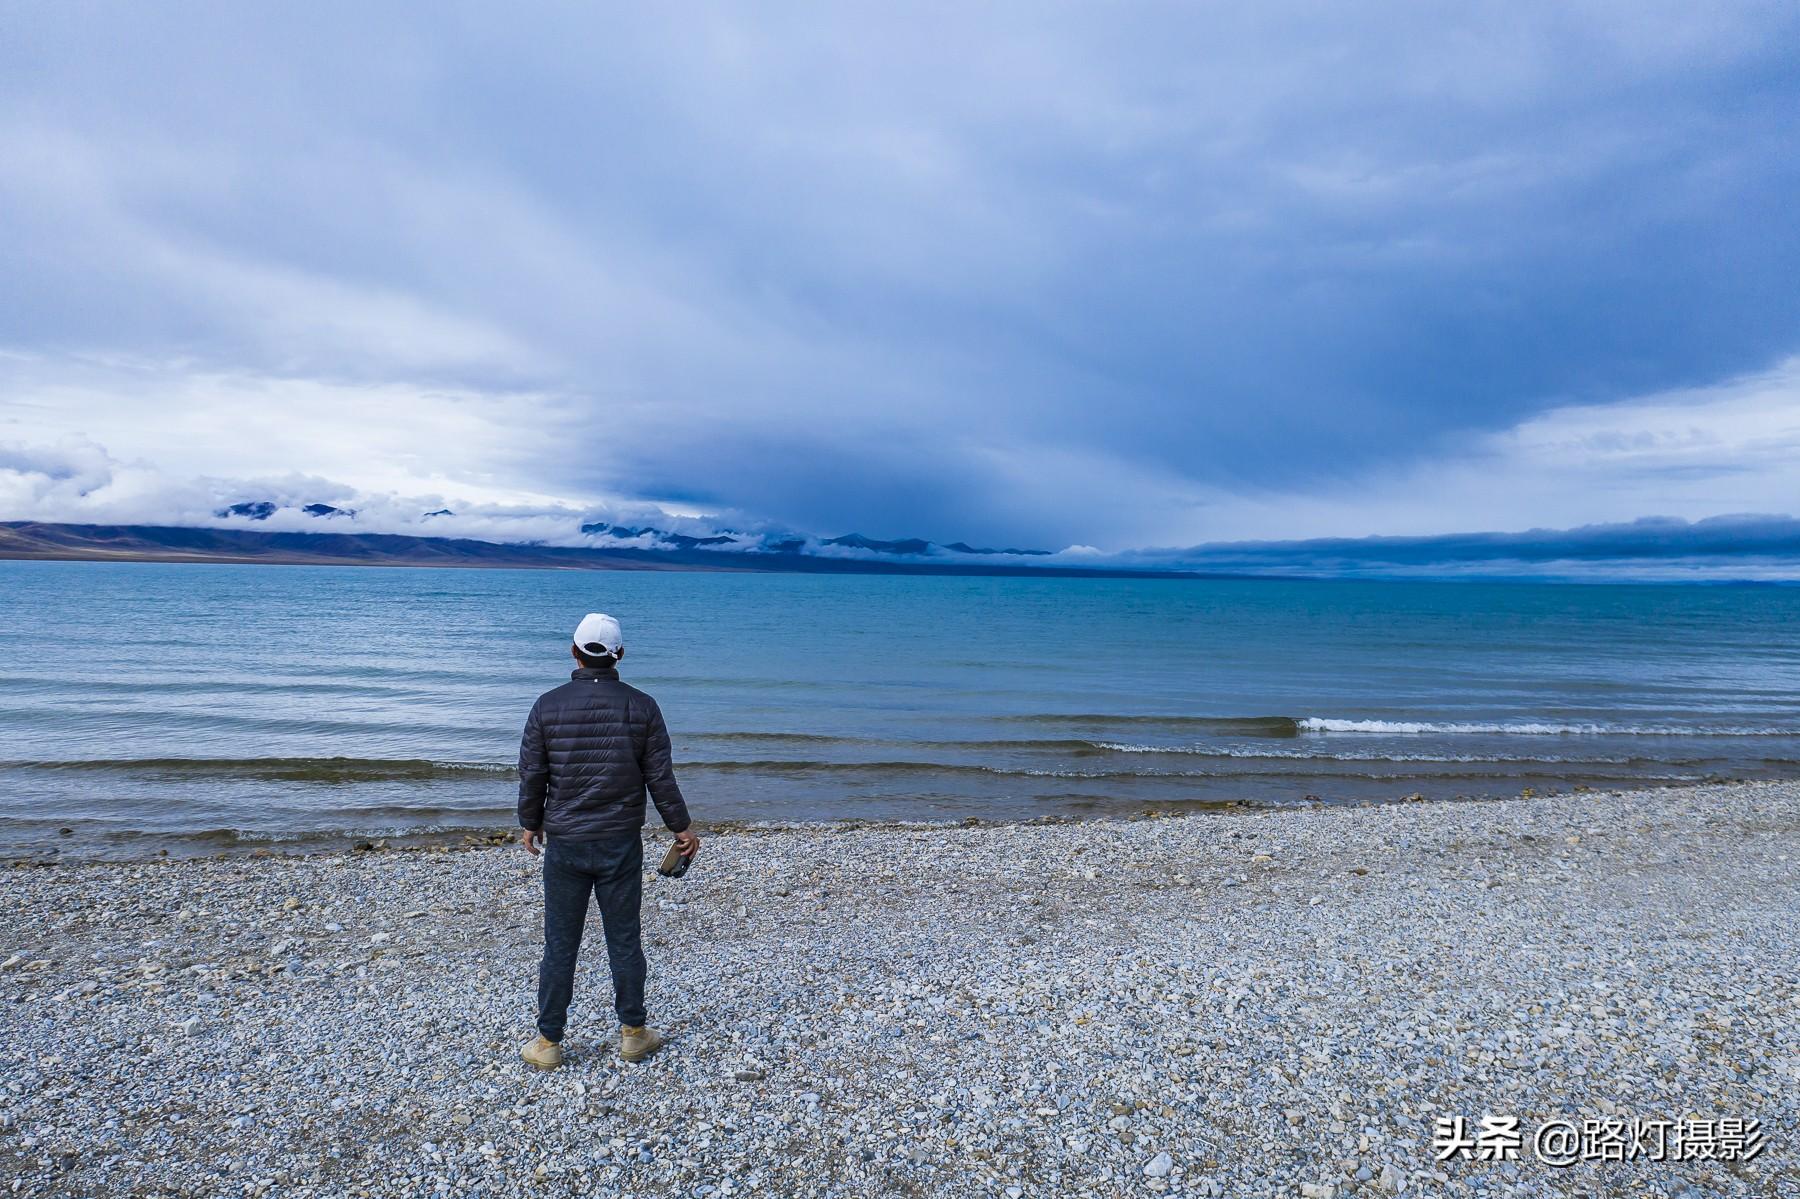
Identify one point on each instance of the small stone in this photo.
(289, 904)
(1159, 1166)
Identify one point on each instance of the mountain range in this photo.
(649, 537)
(1730, 548)
(166, 543)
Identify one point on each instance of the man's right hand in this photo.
(687, 842)
(531, 839)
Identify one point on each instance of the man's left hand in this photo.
(531, 839)
(687, 843)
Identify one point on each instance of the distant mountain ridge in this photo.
(907, 547)
(915, 545)
(679, 540)
(166, 543)
(1730, 549)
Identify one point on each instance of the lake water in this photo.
(182, 707)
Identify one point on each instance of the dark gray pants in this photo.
(611, 871)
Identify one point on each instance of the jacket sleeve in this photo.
(534, 773)
(659, 773)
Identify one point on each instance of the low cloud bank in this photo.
(78, 482)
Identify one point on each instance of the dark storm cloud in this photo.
(1015, 274)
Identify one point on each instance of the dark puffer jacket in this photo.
(590, 749)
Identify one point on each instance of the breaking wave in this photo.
(1325, 724)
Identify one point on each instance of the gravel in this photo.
(1250, 1002)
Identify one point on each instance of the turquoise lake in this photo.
(146, 707)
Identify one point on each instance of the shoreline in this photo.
(1273, 998)
(475, 839)
(229, 845)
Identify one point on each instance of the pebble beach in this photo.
(1241, 1002)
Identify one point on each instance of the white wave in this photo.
(1245, 751)
(1323, 724)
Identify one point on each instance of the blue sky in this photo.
(1115, 276)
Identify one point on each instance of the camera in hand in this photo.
(674, 863)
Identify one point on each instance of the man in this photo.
(591, 748)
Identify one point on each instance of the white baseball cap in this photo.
(599, 634)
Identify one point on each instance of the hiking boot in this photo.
(545, 1055)
(636, 1044)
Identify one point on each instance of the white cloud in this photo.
(1693, 453)
(193, 422)
(76, 481)
(189, 441)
